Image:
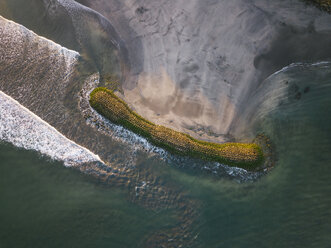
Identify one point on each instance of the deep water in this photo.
(44, 204)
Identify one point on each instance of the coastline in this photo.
(246, 156)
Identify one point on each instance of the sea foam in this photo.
(22, 128)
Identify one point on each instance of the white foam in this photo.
(9, 26)
(135, 142)
(94, 119)
(299, 64)
(22, 128)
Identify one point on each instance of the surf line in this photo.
(22, 128)
(247, 156)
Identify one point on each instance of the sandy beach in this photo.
(191, 71)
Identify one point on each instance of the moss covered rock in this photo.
(105, 102)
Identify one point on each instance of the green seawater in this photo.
(44, 204)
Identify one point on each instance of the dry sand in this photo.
(194, 64)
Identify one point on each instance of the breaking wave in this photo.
(24, 129)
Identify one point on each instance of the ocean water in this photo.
(44, 204)
(155, 202)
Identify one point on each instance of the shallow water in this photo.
(44, 204)
(156, 201)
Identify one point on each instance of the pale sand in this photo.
(195, 63)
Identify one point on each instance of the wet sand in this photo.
(195, 66)
(152, 74)
(42, 76)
